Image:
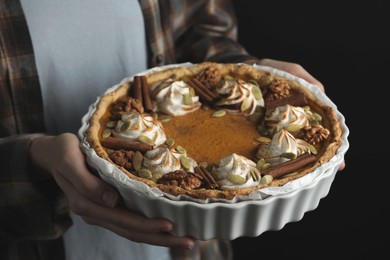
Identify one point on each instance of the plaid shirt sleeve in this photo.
(192, 31)
(31, 207)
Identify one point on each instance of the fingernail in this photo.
(109, 198)
(190, 245)
(167, 228)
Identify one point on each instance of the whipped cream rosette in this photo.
(134, 125)
(163, 160)
(175, 98)
(236, 171)
(282, 147)
(287, 115)
(239, 96)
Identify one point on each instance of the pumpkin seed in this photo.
(192, 92)
(137, 160)
(106, 133)
(317, 117)
(164, 118)
(169, 142)
(156, 176)
(145, 140)
(293, 127)
(260, 163)
(126, 126)
(185, 162)
(219, 113)
(263, 140)
(266, 166)
(245, 104)
(145, 173)
(289, 155)
(255, 174)
(313, 149)
(180, 149)
(111, 124)
(237, 179)
(257, 93)
(187, 99)
(290, 174)
(266, 179)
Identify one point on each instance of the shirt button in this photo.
(159, 58)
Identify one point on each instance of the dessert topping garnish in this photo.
(289, 166)
(120, 143)
(298, 99)
(202, 91)
(210, 183)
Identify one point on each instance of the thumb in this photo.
(74, 168)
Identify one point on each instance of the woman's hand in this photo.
(93, 199)
(299, 71)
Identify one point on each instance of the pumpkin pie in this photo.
(213, 130)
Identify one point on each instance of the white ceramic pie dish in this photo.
(231, 219)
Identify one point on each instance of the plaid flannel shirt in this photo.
(33, 211)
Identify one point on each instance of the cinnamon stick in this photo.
(204, 88)
(119, 143)
(298, 99)
(129, 89)
(289, 166)
(147, 101)
(138, 88)
(209, 180)
(202, 94)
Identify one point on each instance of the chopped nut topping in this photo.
(313, 134)
(181, 179)
(126, 104)
(123, 158)
(209, 77)
(278, 89)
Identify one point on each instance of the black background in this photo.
(344, 45)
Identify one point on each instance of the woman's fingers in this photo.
(122, 221)
(93, 199)
(161, 238)
(61, 156)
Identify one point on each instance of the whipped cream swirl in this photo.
(175, 98)
(132, 125)
(234, 171)
(164, 160)
(283, 116)
(283, 142)
(239, 96)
